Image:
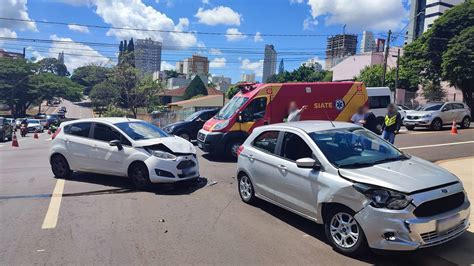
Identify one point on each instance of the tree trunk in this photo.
(467, 95)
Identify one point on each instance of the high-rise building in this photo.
(367, 44)
(222, 83)
(195, 65)
(423, 13)
(61, 57)
(269, 62)
(281, 67)
(147, 54)
(338, 47)
(247, 77)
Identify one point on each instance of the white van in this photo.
(379, 98)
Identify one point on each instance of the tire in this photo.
(231, 149)
(2, 137)
(138, 173)
(10, 137)
(246, 190)
(466, 122)
(60, 167)
(437, 124)
(348, 239)
(410, 127)
(184, 135)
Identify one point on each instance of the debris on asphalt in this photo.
(166, 231)
(162, 220)
(212, 183)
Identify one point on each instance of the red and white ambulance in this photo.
(262, 104)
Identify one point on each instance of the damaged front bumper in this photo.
(185, 167)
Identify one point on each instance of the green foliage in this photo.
(305, 73)
(231, 91)
(91, 75)
(433, 92)
(115, 112)
(50, 86)
(196, 87)
(372, 76)
(53, 65)
(103, 94)
(171, 74)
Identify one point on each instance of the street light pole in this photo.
(396, 76)
(387, 47)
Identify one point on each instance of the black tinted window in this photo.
(79, 129)
(256, 109)
(266, 141)
(379, 101)
(458, 106)
(294, 147)
(106, 133)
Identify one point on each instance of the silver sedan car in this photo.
(365, 191)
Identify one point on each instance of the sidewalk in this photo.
(460, 250)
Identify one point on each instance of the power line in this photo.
(166, 31)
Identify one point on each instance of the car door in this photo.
(298, 187)
(447, 113)
(261, 158)
(78, 143)
(459, 113)
(199, 122)
(109, 159)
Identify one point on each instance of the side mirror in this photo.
(240, 118)
(306, 163)
(199, 120)
(116, 143)
(444, 109)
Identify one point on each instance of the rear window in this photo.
(379, 101)
(266, 141)
(78, 129)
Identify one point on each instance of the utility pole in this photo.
(387, 47)
(396, 76)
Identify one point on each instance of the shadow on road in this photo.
(124, 185)
(217, 158)
(457, 250)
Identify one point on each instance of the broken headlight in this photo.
(382, 197)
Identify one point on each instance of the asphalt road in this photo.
(103, 220)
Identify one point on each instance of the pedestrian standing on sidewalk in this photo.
(294, 113)
(392, 123)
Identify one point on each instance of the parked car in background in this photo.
(61, 115)
(6, 129)
(189, 127)
(34, 125)
(44, 123)
(365, 191)
(62, 109)
(123, 147)
(12, 122)
(437, 114)
(18, 122)
(40, 116)
(52, 118)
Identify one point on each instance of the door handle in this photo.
(282, 167)
(251, 158)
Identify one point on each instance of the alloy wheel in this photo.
(466, 122)
(344, 230)
(234, 148)
(437, 125)
(245, 188)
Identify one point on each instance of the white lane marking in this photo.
(49, 139)
(51, 219)
(436, 145)
(2, 146)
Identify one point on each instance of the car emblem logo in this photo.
(444, 190)
(339, 104)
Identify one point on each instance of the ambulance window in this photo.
(256, 109)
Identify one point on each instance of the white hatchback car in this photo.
(436, 115)
(123, 147)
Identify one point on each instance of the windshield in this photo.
(354, 147)
(192, 116)
(141, 130)
(33, 121)
(231, 107)
(430, 107)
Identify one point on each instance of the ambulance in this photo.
(262, 104)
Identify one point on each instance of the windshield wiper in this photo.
(356, 165)
(398, 158)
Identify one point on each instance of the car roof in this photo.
(106, 120)
(310, 125)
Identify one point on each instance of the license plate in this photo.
(447, 223)
(409, 124)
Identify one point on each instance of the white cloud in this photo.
(361, 14)
(14, 9)
(233, 35)
(166, 66)
(215, 51)
(314, 60)
(78, 28)
(205, 2)
(218, 15)
(309, 23)
(296, 1)
(79, 54)
(136, 14)
(258, 37)
(218, 62)
(76, 2)
(256, 67)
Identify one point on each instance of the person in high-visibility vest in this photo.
(392, 123)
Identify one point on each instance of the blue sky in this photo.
(230, 55)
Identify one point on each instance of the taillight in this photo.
(240, 149)
(56, 133)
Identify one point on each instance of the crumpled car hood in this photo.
(404, 176)
(175, 144)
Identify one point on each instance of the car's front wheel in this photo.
(139, 175)
(437, 124)
(60, 166)
(466, 122)
(184, 135)
(246, 191)
(410, 127)
(344, 233)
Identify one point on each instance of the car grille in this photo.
(433, 238)
(185, 164)
(412, 117)
(201, 137)
(440, 205)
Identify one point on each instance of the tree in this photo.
(458, 63)
(103, 94)
(91, 75)
(15, 89)
(53, 65)
(196, 87)
(231, 91)
(305, 73)
(433, 92)
(171, 74)
(372, 76)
